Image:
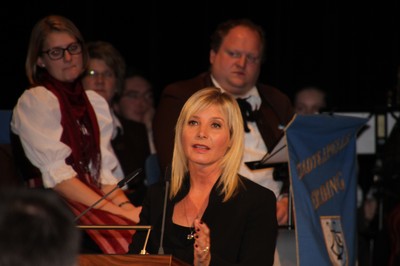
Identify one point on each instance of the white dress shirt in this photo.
(255, 148)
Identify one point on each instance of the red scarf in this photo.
(81, 134)
(80, 129)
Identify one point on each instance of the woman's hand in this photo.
(202, 254)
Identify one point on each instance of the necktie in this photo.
(247, 112)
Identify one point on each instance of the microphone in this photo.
(143, 251)
(167, 177)
(120, 184)
(128, 178)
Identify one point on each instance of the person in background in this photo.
(64, 134)
(214, 216)
(105, 75)
(309, 100)
(237, 50)
(136, 101)
(36, 228)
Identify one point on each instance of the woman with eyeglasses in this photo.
(136, 101)
(105, 75)
(61, 136)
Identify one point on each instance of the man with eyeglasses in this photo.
(136, 101)
(237, 49)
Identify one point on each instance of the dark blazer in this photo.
(132, 148)
(243, 230)
(276, 111)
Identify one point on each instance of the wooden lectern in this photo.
(125, 260)
(129, 259)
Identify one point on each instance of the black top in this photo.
(243, 229)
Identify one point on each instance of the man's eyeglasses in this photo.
(250, 58)
(58, 52)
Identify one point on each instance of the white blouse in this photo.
(37, 120)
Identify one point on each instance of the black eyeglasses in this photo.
(58, 52)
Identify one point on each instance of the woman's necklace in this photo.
(190, 236)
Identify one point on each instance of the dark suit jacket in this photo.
(132, 148)
(243, 230)
(276, 110)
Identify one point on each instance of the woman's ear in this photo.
(40, 63)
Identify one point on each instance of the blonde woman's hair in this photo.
(230, 163)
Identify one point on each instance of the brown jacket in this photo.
(276, 111)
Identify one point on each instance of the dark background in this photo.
(350, 50)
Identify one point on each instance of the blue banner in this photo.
(323, 172)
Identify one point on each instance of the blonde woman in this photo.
(213, 216)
